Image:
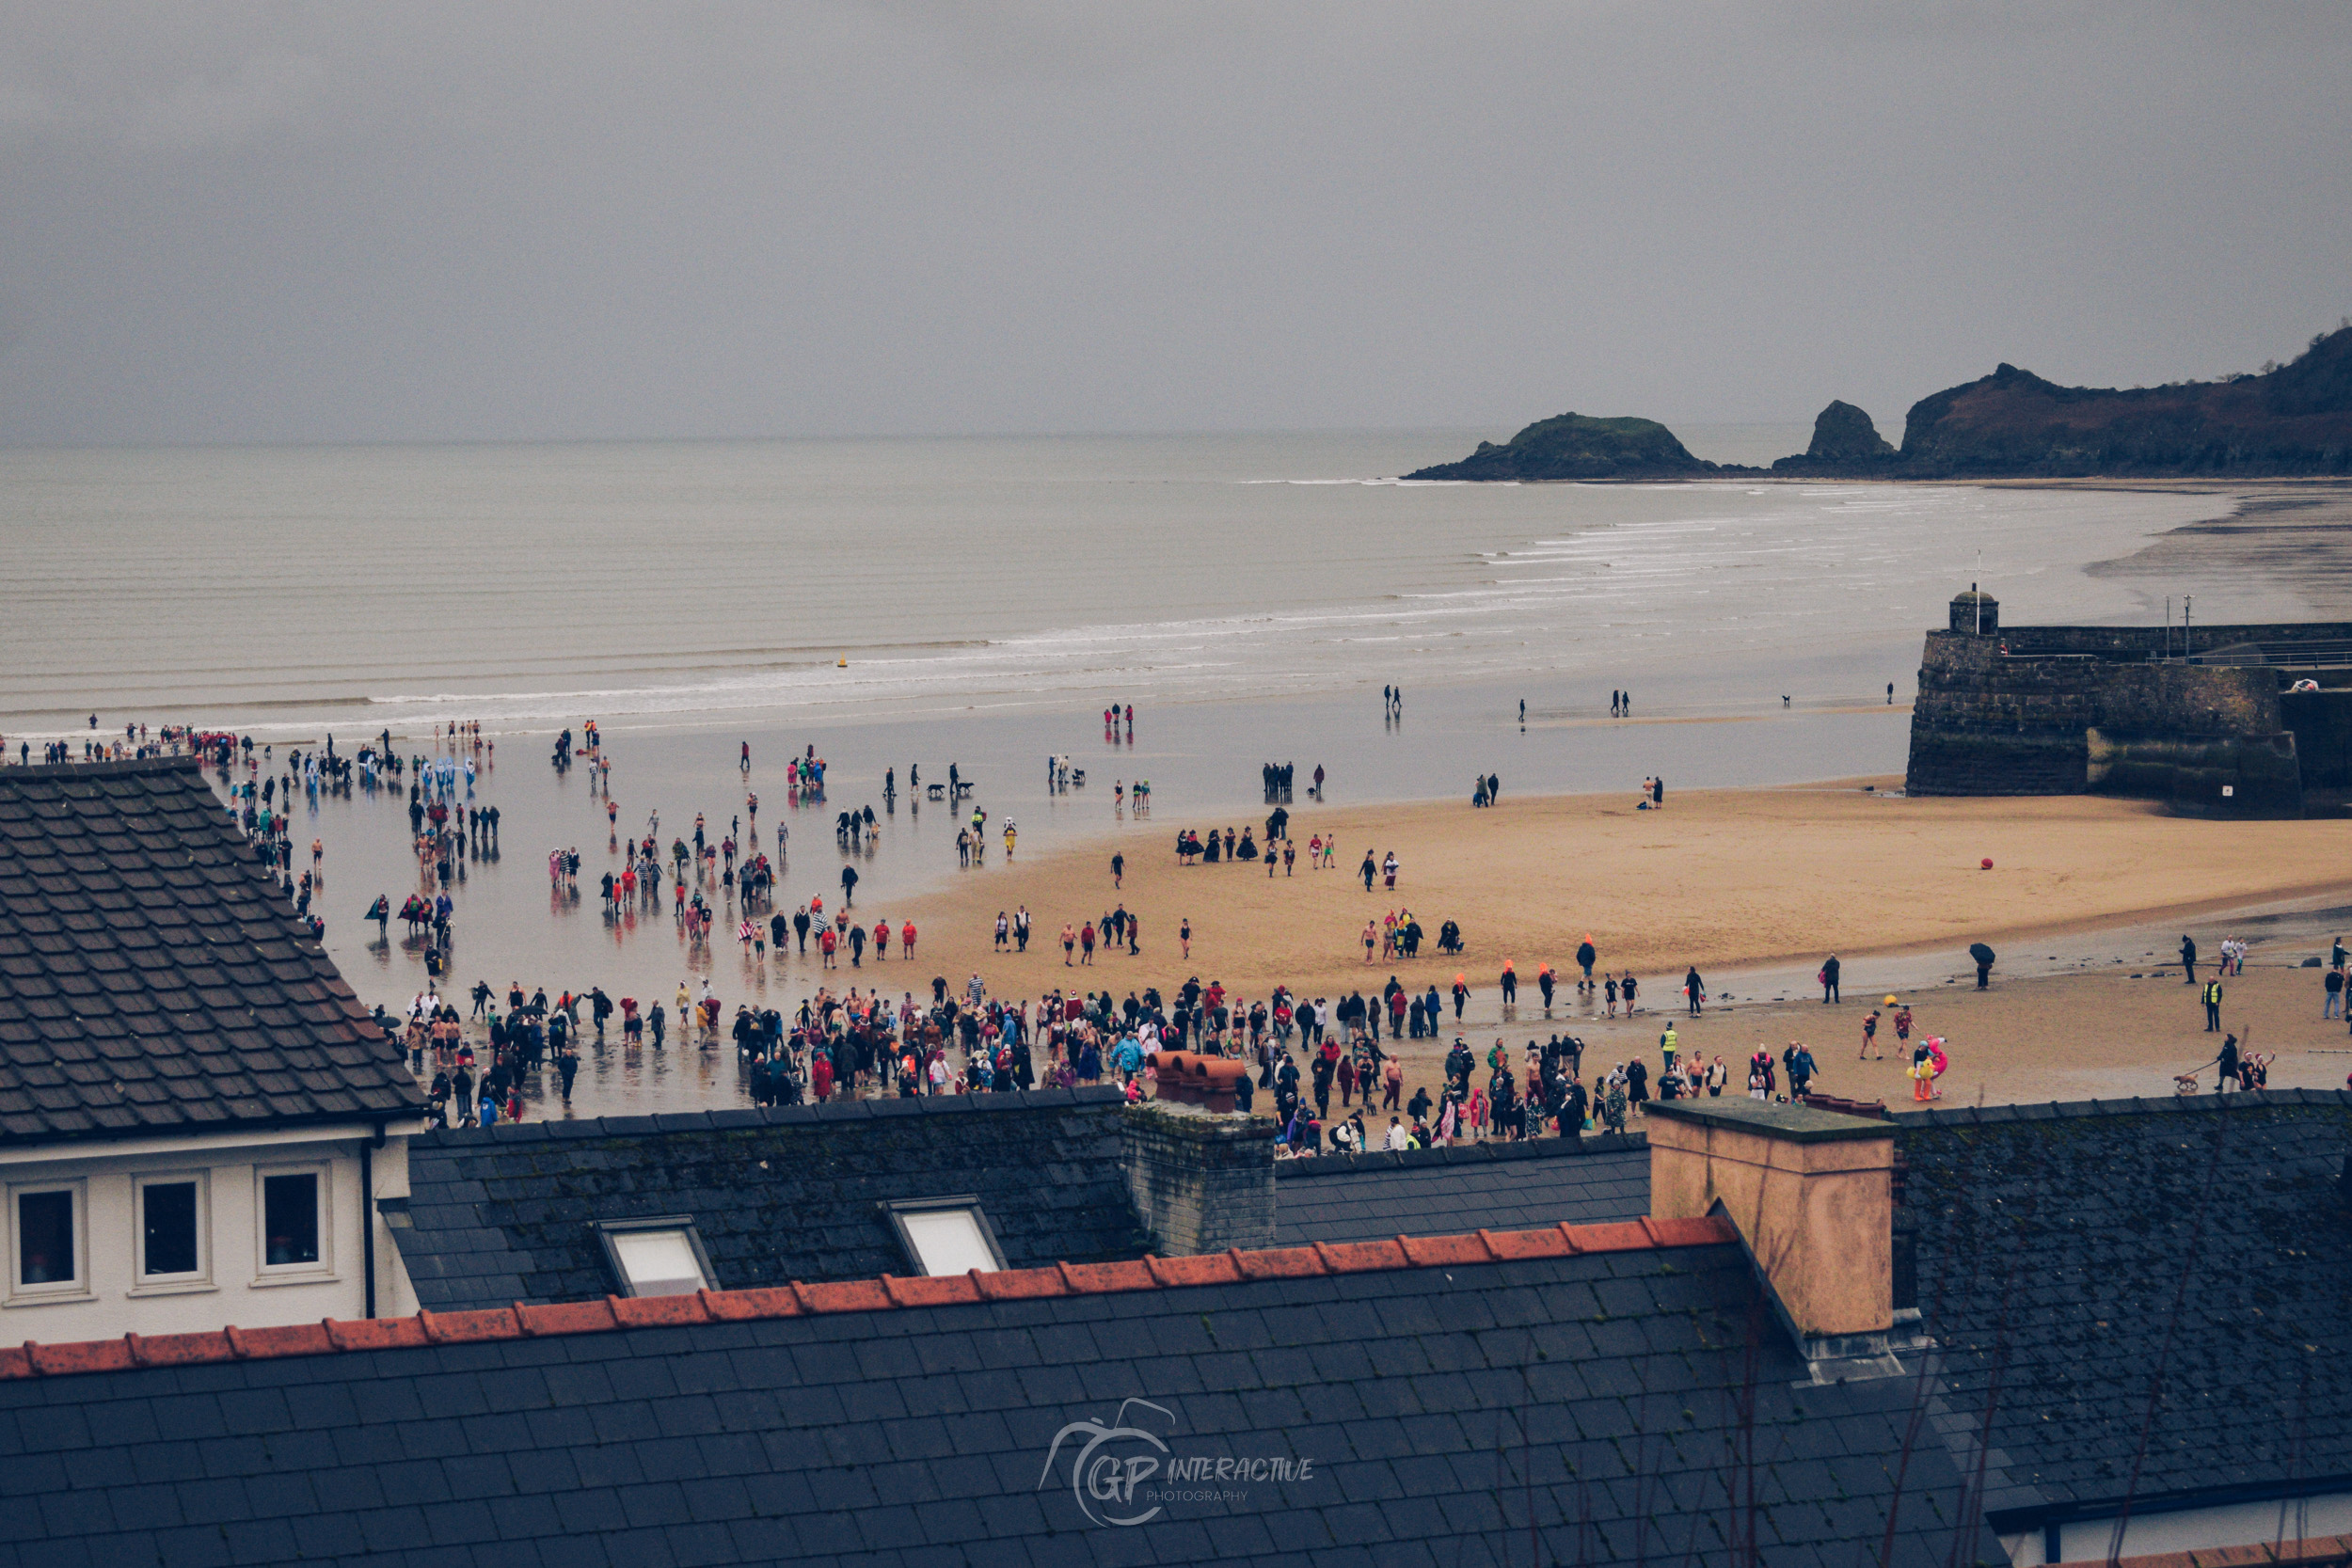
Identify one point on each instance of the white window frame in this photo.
(76, 1288)
(896, 1210)
(268, 1272)
(681, 1225)
(145, 1284)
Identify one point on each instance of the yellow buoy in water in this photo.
(841, 664)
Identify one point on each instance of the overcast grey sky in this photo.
(485, 220)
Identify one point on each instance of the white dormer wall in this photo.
(235, 1282)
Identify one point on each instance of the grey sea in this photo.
(889, 603)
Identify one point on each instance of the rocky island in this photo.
(1577, 445)
(2286, 419)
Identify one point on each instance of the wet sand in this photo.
(1720, 878)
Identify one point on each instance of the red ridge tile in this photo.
(568, 1317)
(469, 1328)
(1361, 1257)
(1702, 1230)
(948, 1290)
(329, 1336)
(1101, 1278)
(863, 1295)
(1019, 1283)
(1214, 1268)
(738, 1306)
(657, 1311)
(287, 1340)
(1439, 1251)
(181, 1350)
(1296, 1262)
(378, 1333)
(1526, 1244)
(1623, 1236)
(87, 1356)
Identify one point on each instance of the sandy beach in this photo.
(1720, 879)
(1734, 882)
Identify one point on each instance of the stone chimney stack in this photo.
(1202, 1182)
(1812, 1194)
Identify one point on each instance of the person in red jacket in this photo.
(906, 940)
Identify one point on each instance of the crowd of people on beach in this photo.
(966, 1038)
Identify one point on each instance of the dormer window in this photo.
(660, 1257)
(945, 1235)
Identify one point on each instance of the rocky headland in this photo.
(2284, 420)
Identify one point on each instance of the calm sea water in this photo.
(286, 591)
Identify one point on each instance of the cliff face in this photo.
(2295, 419)
(1575, 446)
(2292, 419)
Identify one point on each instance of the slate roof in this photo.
(152, 977)
(1447, 1192)
(504, 1214)
(2076, 1258)
(1611, 1393)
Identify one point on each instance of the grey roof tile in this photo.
(2066, 1252)
(777, 1195)
(150, 1011)
(1447, 1192)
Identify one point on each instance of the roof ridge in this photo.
(744, 1116)
(187, 761)
(1979, 1115)
(1396, 1158)
(2310, 1552)
(330, 1335)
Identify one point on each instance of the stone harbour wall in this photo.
(2009, 714)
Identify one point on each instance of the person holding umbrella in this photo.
(1983, 955)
